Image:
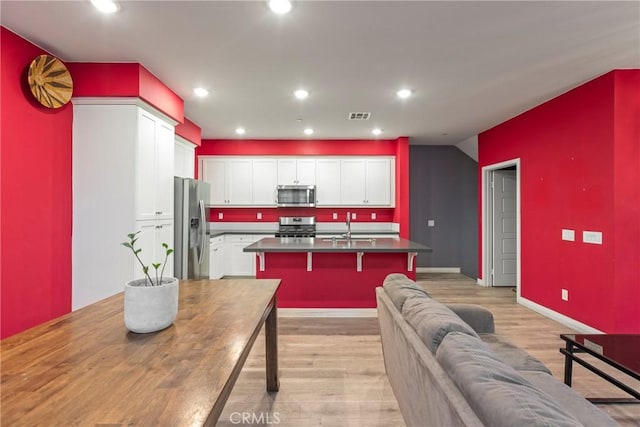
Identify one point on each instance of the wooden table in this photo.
(84, 368)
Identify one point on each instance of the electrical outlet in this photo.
(373, 215)
(335, 215)
(259, 215)
(353, 215)
(565, 295)
(431, 223)
(568, 235)
(594, 237)
(220, 215)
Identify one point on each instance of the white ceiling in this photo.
(472, 65)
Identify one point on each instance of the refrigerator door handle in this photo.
(203, 233)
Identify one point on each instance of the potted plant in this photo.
(150, 303)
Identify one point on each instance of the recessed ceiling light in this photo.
(376, 131)
(280, 6)
(105, 6)
(308, 131)
(200, 92)
(404, 93)
(240, 131)
(301, 93)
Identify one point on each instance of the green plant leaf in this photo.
(164, 245)
(132, 235)
(145, 269)
(169, 251)
(156, 265)
(127, 245)
(137, 251)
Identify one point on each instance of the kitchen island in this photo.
(332, 272)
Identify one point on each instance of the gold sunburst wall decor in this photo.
(50, 81)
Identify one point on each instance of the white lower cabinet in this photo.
(153, 234)
(216, 257)
(238, 262)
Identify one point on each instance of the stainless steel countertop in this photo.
(319, 244)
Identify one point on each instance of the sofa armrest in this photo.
(478, 317)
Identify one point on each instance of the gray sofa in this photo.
(447, 367)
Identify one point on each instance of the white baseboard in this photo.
(480, 282)
(437, 269)
(327, 312)
(560, 318)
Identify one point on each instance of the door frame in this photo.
(487, 230)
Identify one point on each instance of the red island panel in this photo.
(334, 281)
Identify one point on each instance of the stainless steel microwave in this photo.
(296, 196)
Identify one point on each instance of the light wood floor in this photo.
(332, 372)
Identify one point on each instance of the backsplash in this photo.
(321, 214)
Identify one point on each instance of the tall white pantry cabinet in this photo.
(123, 167)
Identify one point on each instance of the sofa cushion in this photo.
(399, 288)
(586, 412)
(498, 394)
(432, 321)
(512, 355)
(476, 316)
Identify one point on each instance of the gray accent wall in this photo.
(443, 186)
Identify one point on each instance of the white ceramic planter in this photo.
(150, 308)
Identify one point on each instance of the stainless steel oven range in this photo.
(296, 226)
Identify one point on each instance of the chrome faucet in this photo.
(348, 235)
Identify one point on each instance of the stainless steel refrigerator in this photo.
(191, 242)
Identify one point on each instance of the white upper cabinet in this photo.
(239, 182)
(154, 174)
(353, 183)
(184, 158)
(367, 182)
(214, 171)
(265, 181)
(378, 179)
(296, 171)
(340, 181)
(328, 182)
(230, 179)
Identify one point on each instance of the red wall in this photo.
(579, 170)
(387, 147)
(125, 80)
(35, 283)
(190, 131)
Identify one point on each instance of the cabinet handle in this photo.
(158, 226)
(158, 212)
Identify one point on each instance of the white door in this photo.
(286, 172)
(164, 234)
(145, 167)
(378, 176)
(239, 182)
(504, 242)
(327, 182)
(306, 172)
(165, 146)
(265, 181)
(214, 171)
(353, 183)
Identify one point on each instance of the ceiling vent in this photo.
(359, 116)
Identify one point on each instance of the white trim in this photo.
(184, 142)
(560, 318)
(437, 269)
(480, 282)
(486, 170)
(125, 100)
(327, 312)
